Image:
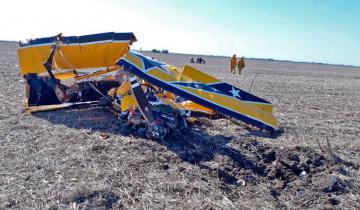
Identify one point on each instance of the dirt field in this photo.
(56, 160)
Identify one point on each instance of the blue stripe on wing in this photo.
(245, 96)
(225, 89)
(197, 99)
(198, 85)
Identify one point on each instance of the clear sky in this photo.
(325, 31)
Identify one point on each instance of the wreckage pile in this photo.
(150, 94)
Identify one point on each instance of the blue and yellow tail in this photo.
(202, 89)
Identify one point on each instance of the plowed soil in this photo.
(56, 160)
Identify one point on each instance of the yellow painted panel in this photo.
(135, 60)
(187, 105)
(67, 57)
(160, 74)
(191, 74)
(196, 75)
(65, 75)
(123, 89)
(262, 106)
(31, 59)
(127, 102)
(174, 71)
(235, 105)
(190, 105)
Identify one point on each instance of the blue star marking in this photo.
(234, 92)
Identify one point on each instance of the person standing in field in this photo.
(241, 64)
(233, 63)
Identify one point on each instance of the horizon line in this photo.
(257, 58)
(254, 58)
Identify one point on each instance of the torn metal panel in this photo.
(198, 87)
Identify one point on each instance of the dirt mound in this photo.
(299, 173)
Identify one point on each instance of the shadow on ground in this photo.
(196, 147)
(234, 160)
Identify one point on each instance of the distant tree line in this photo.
(160, 51)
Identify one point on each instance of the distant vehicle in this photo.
(200, 60)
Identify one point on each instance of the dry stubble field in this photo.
(55, 160)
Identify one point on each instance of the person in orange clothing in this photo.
(233, 63)
(241, 64)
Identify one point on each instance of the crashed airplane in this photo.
(100, 69)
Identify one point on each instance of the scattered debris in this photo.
(104, 136)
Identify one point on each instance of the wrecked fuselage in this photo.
(156, 98)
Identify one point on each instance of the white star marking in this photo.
(234, 92)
